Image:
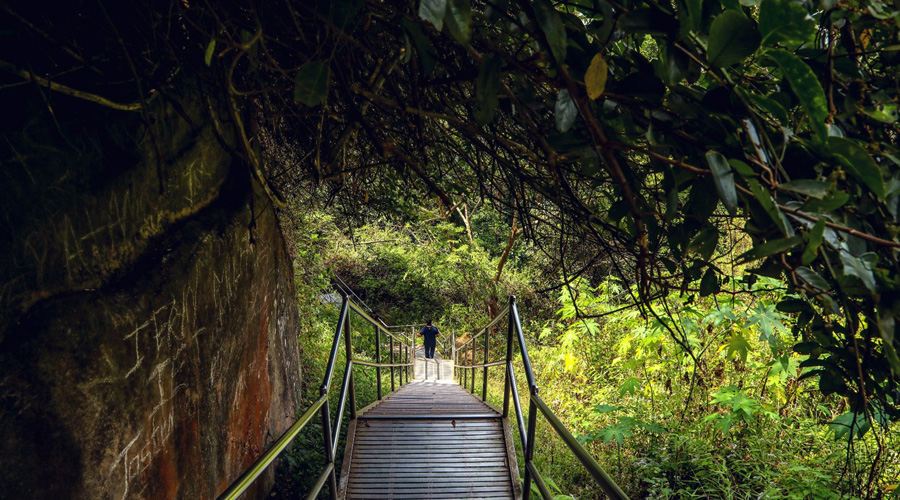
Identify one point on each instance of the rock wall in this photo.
(147, 312)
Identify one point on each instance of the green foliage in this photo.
(311, 83)
(696, 401)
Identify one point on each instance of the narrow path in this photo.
(428, 440)
(435, 370)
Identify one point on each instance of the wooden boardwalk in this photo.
(429, 440)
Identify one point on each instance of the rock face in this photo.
(147, 314)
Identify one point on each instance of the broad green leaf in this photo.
(856, 266)
(311, 83)
(566, 111)
(784, 21)
(724, 177)
(770, 248)
(793, 306)
(210, 50)
(675, 64)
(616, 432)
(827, 204)
(433, 11)
(589, 327)
(813, 278)
(814, 242)
(809, 187)
(887, 328)
(858, 162)
(552, 25)
(771, 106)
(486, 88)
(595, 77)
(630, 386)
(427, 55)
(709, 284)
(605, 408)
(883, 112)
(738, 344)
(849, 425)
(705, 243)
(459, 20)
(742, 168)
(807, 88)
(765, 199)
(732, 37)
(768, 321)
(694, 16)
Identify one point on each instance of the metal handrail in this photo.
(466, 376)
(348, 391)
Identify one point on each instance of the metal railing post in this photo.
(392, 364)
(487, 345)
(326, 438)
(463, 372)
(453, 354)
(509, 346)
(529, 447)
(378, 360)
(472, 357)
(348, 349)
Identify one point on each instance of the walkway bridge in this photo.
(432, 436)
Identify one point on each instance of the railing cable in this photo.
(347, 399)
(465, 370)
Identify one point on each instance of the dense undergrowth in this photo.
(700, 397)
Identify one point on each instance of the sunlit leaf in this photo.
(807, 88)
(210, 50)
(630, 386)
(858, 162)
(784, 21)
(724, 178)
(765, 199)
(814, 240)
(605, 408)
(595, 77)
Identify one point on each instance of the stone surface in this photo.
(147, 322)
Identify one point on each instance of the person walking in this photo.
(430, 335)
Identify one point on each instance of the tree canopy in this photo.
(640, 137)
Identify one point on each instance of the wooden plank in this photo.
(424, 457)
